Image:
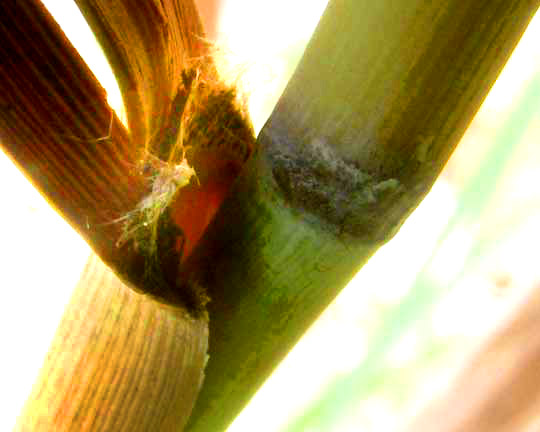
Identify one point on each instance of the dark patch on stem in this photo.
(313, 178)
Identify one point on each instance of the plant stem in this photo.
(52, 111)
(380, 99)
(118, 362)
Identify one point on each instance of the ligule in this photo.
(190, 165)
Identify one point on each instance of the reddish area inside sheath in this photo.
(197, 204)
